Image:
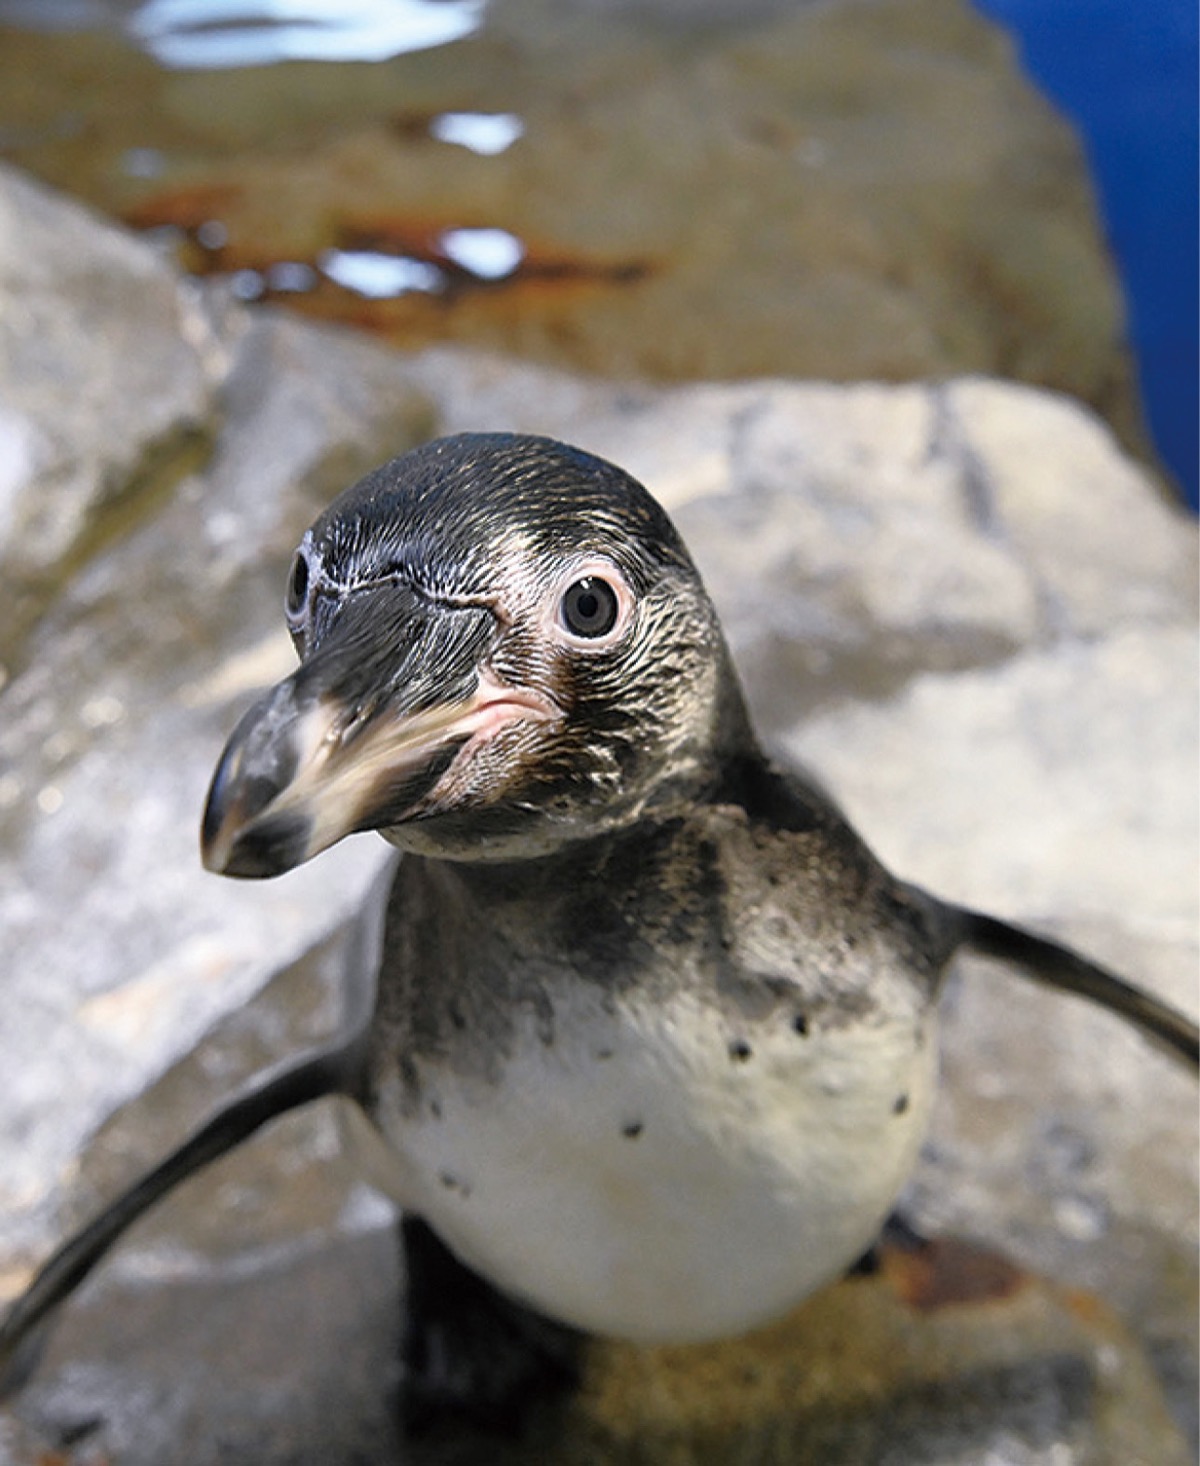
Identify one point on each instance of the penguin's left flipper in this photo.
(1060, 967)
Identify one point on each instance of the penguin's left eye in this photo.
(589, 608)
(295, 600)
(297, 586)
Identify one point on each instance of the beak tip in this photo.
(240, 834)
(212, 847)
(256, 849)
(223, 822)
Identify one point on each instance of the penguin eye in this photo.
(589, 608)
(297, 586)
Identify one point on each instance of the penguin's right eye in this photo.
(590, 608)
(297, 586)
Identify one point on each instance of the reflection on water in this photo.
(483, 132)
(143, 163)
(247, 284)
(291, 277)
(224, 33)
(380, 276)
(481, 254)
(488, 254)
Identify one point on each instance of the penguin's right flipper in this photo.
(296, 1083)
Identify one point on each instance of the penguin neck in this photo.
(710, 771)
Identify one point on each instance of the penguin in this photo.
(653, 1041)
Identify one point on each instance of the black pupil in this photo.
(297, 583)
(590, 607)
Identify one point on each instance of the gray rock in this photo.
(130, 682)
(959, 603)
(109, 369)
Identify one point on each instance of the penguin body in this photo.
(654, 1037)
(657, 1105)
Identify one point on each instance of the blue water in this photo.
(1125, 71)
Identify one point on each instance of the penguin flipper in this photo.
(1059, 967)
(296, 1083)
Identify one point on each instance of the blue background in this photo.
(1125, 71)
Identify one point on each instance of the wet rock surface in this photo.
(958, 603)
(946, 1355)
(865, 190)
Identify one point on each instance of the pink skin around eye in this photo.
(596, 569)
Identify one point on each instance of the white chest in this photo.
(655, 1173)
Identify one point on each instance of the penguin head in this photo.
(504, 647)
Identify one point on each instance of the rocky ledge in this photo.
(958, 602)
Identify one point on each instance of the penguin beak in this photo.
(360, 735)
